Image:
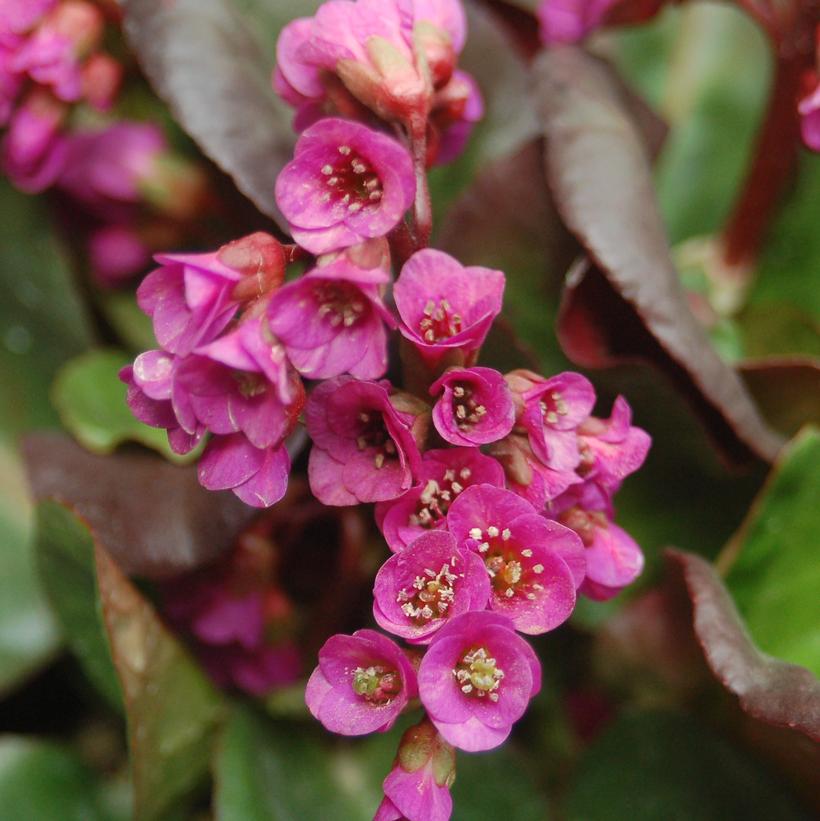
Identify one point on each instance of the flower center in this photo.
(439, 321)
(249, 384)
(553, 406)
(351, 182)
(376, 684)
(430, 595)
(373, 434)
(511, 569)
(340, 303)
(467, 410)
(436, 498)
(583, 522)
(478, 674)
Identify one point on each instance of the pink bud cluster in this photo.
(493, 491)
(119, 176)
(51, 58)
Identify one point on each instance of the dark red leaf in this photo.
(787, 388)
(768, 689)
(207, 66)
(152, 516)
(600, 174)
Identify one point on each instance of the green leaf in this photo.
(774, 574)
(267, 771)
(65, 556)
(91, 400)
(654, 765)
(42, 782)
(496, 785)
(41, 324)
(172, 710)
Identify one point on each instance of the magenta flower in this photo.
(258, 476)
(109, 167)
(117, 253)
(456, 109)
(550, 412)
(150, 392)
(361, 685)
(612, 449)
(534, 565)
(376, 49)
(444, 306)
(476, 680)
(443, 475)
(418, 786)
(333, 320)
(191, 298)
(240, 383)
(613, 558)
(430, 582)
(346, 183)
(21, 16)
(475, 407)
(809, 109)
(527, 475)
(53, 54)
(569, 21)
(364, 443)
(34, 149)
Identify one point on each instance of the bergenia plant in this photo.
(346, 283)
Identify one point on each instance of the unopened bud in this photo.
(102, 77)
(435, 47)
(260, 258)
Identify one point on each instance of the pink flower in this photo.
(21, 16)
(550, 412)
(191, 298)
(240, 383)
(52, 55)
(475, 407)
(346, 183)
(456, 109)
(612, 449)
(443, 475)
(430, 582)
(258, 476)
(534, 565)
(109, 167)
(230, 610)
(444, 306)
(613, 558)
(809, 110)
(476, 680)
(332, 320)
(527, 475)
(117, 253)
(376, 49)
(361, 685)
(150, 392)
(569, 21)
(10, 81)
(364, 447)
(418, 786)
(33, 151)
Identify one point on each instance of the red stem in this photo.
(423, 213)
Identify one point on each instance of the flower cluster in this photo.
(493, 491)
(113, 175)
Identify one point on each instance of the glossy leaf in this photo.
(655, 765)
(774, 574)
(91, 401)
(65, 558)
(42, 323)
(152, 516)
(600, 176)
(40, 781)
(768, 689)
(172, 709)
(217, 81)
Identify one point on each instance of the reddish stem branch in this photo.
(423, 214)
(778, 143)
